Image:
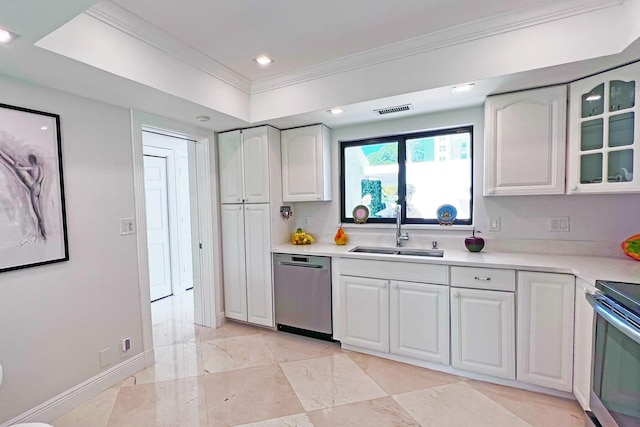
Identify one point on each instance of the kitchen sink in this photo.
(393, 251)
(422, 252)
(384, 251)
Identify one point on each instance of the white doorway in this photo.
(168, 208)
(202, 162)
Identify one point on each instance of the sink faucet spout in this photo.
(399, 235)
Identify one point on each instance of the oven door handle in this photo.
(611, 318)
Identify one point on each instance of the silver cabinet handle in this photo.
(395, 286)
(384, 285)
(456, 294)
(483, 279)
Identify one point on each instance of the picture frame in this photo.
(33, 225)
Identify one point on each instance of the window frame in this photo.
(402, 177)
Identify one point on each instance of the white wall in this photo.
(55, 319)
(595, 218)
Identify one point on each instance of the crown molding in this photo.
(457, 35)
(117, 17)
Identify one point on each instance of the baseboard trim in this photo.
(149, 358)
(220, 319)
(83, 392)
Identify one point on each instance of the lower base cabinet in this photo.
(365, 314)
(246, 262)
(404, 318)
(419, 321)
(545, 329)
(483, 332)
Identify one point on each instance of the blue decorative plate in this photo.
(447, 214)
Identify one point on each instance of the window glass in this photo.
(434, 181)
(421, 171)
(371, 178)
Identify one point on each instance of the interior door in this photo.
(156, 201)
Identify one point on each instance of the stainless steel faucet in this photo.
(399, 236)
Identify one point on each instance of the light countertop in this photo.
(588, 268)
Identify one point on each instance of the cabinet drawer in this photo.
(410, 272)
(484, 278)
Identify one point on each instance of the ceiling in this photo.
(195, 57)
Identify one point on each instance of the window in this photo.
(423, 170)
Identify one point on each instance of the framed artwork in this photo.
(33, 228)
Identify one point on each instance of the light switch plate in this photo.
(494, 224)
(127, 226)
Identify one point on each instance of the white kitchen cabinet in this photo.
(419, 321)
(306, 164)
(246, 259)
(525, 142)
(583, 344)
(365, 312)
(483, 331)
(244, 165)
(604, 146)
(545, 329)
(233, 261)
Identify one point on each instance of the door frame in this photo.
(205, 222)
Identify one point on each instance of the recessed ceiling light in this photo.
(263, 60)
(203, 118)
(7, 37)
(336, 110)
(44, 128)
(593, 97)
(462, 88)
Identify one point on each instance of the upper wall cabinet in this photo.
(525, 142)
(604, 151)
(244, 165)
(306, 164)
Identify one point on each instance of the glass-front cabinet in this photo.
(604, 147)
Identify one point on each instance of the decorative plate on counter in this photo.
(447, 214)
(360, 214)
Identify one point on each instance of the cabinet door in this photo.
(419, 321)
(583, 344)
(258, 255)
(233, 262)
(365, 312)
(255, 148)
(525, 142)
(305, 159)
(231, 167)
(604, 147)
(545, 329)
(483, 332)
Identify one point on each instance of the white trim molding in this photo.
(119, 18)
(81, 393)
(453, 36)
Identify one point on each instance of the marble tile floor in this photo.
(240, 375)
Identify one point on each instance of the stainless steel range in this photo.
(615, 394)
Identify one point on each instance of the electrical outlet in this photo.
(306, 221)
(494, 224)
(126, 345)
(127, 226)
(559, 223)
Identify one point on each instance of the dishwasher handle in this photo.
(299, 264)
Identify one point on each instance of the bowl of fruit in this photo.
(301, 238)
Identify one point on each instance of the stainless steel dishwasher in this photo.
(302, 287)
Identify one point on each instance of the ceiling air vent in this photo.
(396, 109)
